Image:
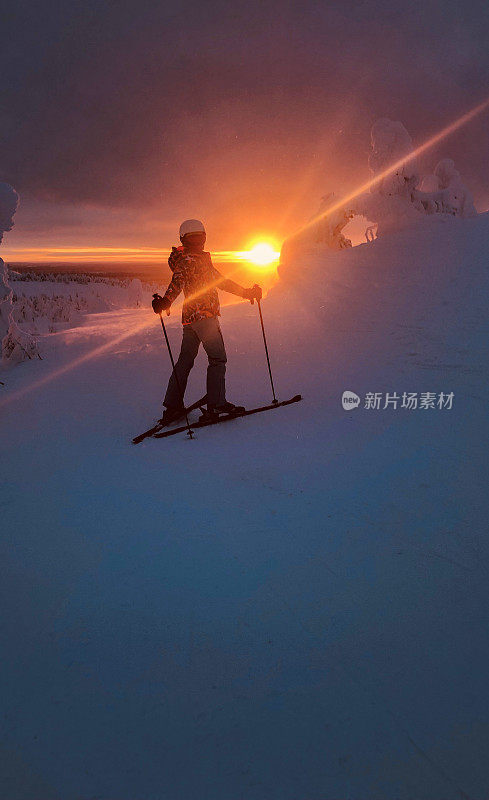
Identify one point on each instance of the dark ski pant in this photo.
(207, 331)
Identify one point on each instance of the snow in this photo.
(46, 303)
(292, 605)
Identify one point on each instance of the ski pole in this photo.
(275, 401)
(190, 432)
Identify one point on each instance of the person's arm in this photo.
(229, 286)
(234, 288)
(175, 286)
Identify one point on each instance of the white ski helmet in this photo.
(191, 226)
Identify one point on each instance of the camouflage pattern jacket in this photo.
(195, 276)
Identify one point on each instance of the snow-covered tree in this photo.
(392, 145)
(17, 345)
(389, 203)
(9, 200)
(8, 206)
(400, 195)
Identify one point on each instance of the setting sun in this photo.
(263, 254)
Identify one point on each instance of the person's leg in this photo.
(209, 333)
(188, 352)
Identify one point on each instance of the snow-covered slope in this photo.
(290, 606)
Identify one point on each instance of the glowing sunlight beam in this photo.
(145, 255)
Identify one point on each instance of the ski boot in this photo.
(172, 414)
(214, 412)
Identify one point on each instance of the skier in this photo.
(195, 275)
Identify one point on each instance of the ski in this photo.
(227, 418)
(159, 425)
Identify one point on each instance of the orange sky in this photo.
(107, 236)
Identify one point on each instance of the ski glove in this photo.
(160, 304)
(255, 293)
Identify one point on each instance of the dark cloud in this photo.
(135, 102)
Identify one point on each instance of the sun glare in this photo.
(263, 254)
